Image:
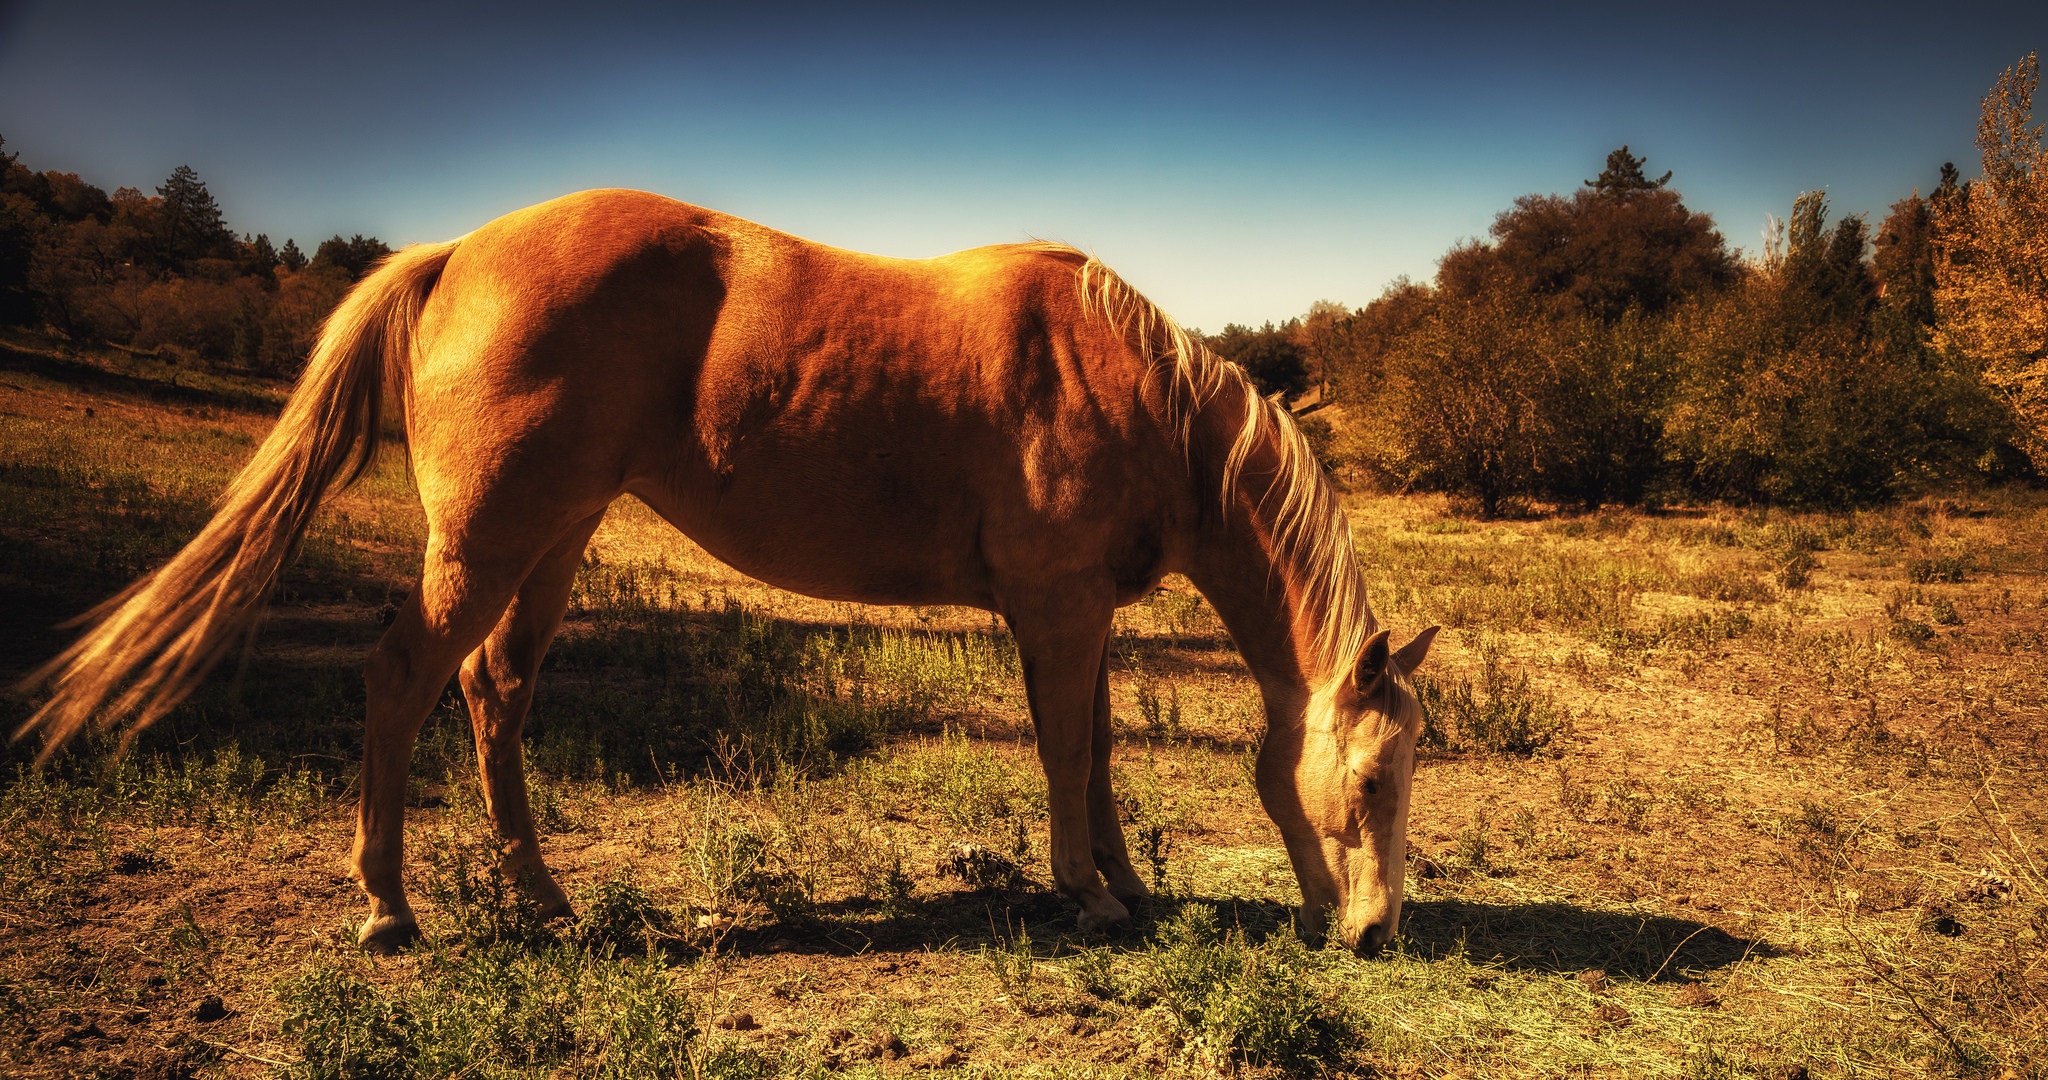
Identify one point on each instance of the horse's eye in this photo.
(1372, 787)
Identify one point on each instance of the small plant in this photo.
(1502, 714)
(1161, 714)
(1011, 961)
(1629, 802)
(1911, 631)
(464, 882)
(1473, 847)
(1943, 611)
(1155, 820)
(1571, 794)
(1227, 1002)
(618, 914)
(1823, 839)
(1951, 568)
(1795, 571)
(1522, 833)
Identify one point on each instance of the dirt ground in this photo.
(1729, 793)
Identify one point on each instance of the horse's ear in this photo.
(1415, 652)
(1373, 663)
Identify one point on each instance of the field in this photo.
(1705, 793)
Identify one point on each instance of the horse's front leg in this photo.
(1061, 633)
(1105, 828)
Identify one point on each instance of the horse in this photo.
(1011, 428)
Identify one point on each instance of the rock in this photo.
(887, 1046)
(951, 1057)
(1695, 996)
(211, 1008)
(1986, 887)
(736, 1022)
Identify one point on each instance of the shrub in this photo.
(1501, 714)
(1228, 1001)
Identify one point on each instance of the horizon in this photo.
(1236, 167)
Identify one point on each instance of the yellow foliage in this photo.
(1992, 271)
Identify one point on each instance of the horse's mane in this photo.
(1310, 534)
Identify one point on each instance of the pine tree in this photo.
(191, 222)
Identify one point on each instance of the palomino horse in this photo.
(1010, 428)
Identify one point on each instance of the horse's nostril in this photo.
(1372, 939)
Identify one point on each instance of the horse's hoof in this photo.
(1133, 902)
(1108, 915)
(384, 935)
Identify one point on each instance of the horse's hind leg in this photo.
(1105, 831)
(474, 565)
(498, 680)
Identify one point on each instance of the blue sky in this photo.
(1234, 163)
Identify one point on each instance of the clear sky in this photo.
(1235, 162)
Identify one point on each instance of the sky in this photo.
(1234, 162)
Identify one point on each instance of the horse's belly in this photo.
(860, 531)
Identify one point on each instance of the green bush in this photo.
(1227, 1001)
(500, 1010)
(1500, 714)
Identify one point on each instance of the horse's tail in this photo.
(149, 646)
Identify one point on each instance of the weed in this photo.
(1951, 567)
(1629, 802)
(1795, 571)
(1911, 631)
(1011, 961)
(494, 1011)
(973, 785)
(1225, 1001)
(1161, 715)
(463, 881)
(1572, 795)
(1156, 820)
(1502, 714)
(618, 914)
(1943, 611)
(1474, 847)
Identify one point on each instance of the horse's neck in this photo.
(1241, 581)
(1267, 602)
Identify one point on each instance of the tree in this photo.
(1469, 400)
(1623, 176)
(1824, 267)
(1904, 262)
(1269, 356)
(290, 257)
(190, 221)
(353, 257)
(1991, 257)
(1622, 241)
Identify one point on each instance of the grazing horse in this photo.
(1010, 428)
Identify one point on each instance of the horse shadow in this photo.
(1546, 937)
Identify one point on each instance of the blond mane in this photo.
(1310, 535)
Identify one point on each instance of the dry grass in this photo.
(1786, 812)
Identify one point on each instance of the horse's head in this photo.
(1340, 796)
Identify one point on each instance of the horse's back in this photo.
(842, 424)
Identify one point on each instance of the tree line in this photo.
(164, 273)
(1607, 346)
